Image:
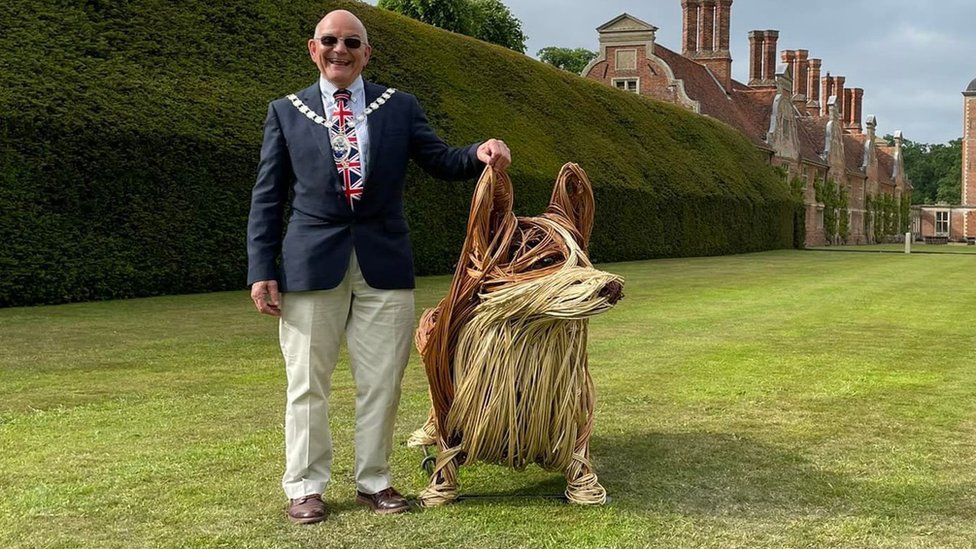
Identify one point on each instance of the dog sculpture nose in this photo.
(613, 291)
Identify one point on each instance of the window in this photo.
(627, 84)
(626, 60)
(942, 223)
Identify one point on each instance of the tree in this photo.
(488, 20)
(495, 23)
(572, 60)
(935, 170)
(453, 15)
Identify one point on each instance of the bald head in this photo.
(340, 48)
(341, 18)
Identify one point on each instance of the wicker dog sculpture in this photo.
(505, 350)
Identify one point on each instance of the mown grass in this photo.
(917, 247)
(781, 398)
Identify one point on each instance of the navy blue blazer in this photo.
(323, 230)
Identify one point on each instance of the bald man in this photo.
(340, 148)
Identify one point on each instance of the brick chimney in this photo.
(689, 26)
(826, 91)
(848, 109)
(705, 36)
(770, 38)
(762, 58)
(788, 57)
(856, 105)
(723, 24)
(800, 75)
(706, 26)
(755, 57)
(839, 92)
(813, 86)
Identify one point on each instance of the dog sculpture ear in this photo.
(491, 215)
(572, 199)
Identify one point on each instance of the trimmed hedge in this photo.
(130, 132)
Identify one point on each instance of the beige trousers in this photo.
(379, 328)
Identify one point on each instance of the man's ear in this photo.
(491, 219)
(572, 199)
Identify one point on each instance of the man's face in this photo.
(340, 63)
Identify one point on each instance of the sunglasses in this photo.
(331, 41)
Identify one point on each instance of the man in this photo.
(341, 147)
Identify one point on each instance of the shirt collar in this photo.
(357, 88)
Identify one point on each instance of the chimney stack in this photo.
(755, 57)
(800, 75)
(788, 57)
(723, 24)
(762, 58)
(856, 107)
(705, 36)
(848, 109)
(706, 26)
(689, 31)
(813, 86)
(839, 92)
(826, 92)
(770, 37)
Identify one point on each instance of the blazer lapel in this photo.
(375, 123)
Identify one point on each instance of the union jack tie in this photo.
(345, 148)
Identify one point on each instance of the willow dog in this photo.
(505, 351)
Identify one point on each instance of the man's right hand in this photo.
(265, 295)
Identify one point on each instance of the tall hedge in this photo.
(130, 131)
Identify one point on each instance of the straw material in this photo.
(505, 351)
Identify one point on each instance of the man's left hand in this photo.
(495, 153)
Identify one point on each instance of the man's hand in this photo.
(495, 153)
(265, 295)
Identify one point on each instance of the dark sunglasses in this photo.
(351, 43)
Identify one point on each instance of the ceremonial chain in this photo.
(327, 122)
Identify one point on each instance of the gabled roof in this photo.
(745, 109)
(626, 22)
(812, 132)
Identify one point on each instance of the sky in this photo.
(913, 58)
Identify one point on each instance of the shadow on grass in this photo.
(713, 474)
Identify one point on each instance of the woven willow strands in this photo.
(505, 351)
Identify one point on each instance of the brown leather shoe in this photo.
(307, 509)
(384, 502)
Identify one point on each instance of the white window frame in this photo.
(635, 79)
(948, 222)
(616, 59)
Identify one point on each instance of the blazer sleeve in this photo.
(264, 223)
(436, 157)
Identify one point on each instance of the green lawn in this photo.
(784, 398)
(917, 247)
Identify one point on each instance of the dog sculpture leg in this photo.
(424, 436)
(442, 488)
(582, 485)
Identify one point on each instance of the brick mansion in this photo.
(804, 119)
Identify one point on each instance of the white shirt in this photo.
(358, 105)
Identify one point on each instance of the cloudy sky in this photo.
(912, 57)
